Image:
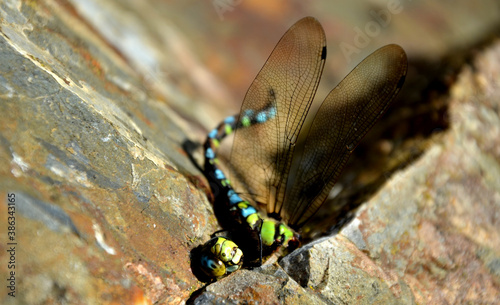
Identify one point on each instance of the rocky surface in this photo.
(109, 206)
(104, 214)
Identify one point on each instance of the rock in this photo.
(270, 285)
(103, 213)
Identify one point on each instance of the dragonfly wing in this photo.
(278, 99)
(346, 115)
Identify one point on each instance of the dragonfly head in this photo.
(219, 257)
(212, 266)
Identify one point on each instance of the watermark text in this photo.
(11, 244)
(223, 6)
(363, 36)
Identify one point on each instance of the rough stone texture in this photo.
(268, 286)
(109, 206)
(103, 213)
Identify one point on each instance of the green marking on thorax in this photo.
(267, 232)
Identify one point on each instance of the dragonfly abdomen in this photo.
(268, 234)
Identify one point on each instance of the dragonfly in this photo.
(289, 178)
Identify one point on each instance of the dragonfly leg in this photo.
(260, 250)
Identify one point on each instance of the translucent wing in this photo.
(347, 113)
(281, 93)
